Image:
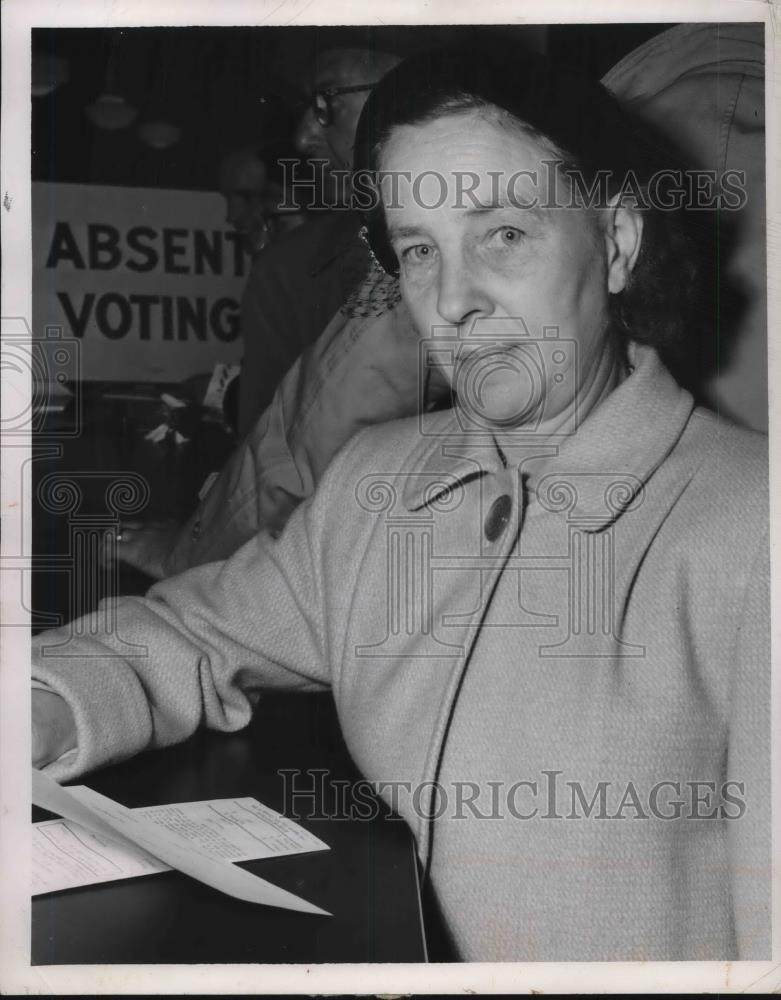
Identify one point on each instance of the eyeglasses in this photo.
(321, 105)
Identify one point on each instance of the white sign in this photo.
(148, 281)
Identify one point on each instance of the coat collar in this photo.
(604, 465)
(446, 456)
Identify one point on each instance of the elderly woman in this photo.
(544, 612)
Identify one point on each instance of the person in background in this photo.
(256, 208)
(244, 186)
(294, 292)
(253, 198)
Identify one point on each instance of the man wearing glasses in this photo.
(295, 289)
(326, 131)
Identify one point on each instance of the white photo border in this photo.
(16, 973)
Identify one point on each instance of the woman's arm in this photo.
(141, 673)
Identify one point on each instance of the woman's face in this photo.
(525, 290)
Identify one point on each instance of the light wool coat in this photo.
(480, 617)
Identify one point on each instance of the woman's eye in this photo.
(421, 253)
(506, 236)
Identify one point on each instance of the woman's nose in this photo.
(461, 296)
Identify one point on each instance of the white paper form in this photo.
(169, 836)
(234, 829)
(67, 855)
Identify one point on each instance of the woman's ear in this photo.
(623, 237)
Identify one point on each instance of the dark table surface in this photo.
(367, 880)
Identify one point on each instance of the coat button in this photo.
(498, 517)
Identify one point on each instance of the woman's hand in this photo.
(146, 545)
(53, 727)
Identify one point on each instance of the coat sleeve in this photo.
(142, 673)
(257, 489)
(748, 768)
